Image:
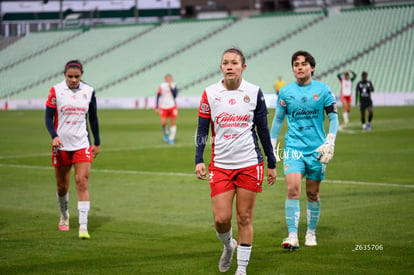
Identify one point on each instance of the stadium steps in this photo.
(334, 40)
(169, 56)
(388, 55)
(121, 44)
(367, 50)
(7, 41)
(252, 34)
(100, 65)
(49, 76)
(257, 52)
(40, 51)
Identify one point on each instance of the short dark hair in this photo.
(237, 51)
(308, 58)
(73, 64)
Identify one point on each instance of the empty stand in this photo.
(131, 61)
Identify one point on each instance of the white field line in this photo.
(383, 125)
(163, 146)
(155, 173)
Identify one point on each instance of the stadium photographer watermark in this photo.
(199, 140)
(287, 154)
(368, 247)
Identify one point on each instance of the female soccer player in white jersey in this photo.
(236, 109)
(67, 107)
(167, 108)
(307, 148)
(346, 92)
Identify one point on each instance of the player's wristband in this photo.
(330, 139)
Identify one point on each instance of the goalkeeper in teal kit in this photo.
(307, 147)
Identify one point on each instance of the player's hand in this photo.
(157, 110)
(326, 150)
(271, 176)
(95, 150)
(57, 142)
(201, 171)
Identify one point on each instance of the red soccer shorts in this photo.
(223, 180)
(64, 158)
(346, 98)
(172, 112)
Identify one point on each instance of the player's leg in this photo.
(312, 211)
(173, 126)
(173, 130)
(222, 196)
(164, 125)
(294, 169)
(370, 116)
(222, 214)
(362, 109)
(292, 209)
(82, 161)
(82, 171)
(315, 173)
(345, 110)
(245, 203)
(349, 101)
(62, 174)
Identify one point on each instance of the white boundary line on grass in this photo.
(383, 125)
(174, 174)
(161, 146)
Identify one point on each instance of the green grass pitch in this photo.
(150, 215)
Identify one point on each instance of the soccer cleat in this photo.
(171, 141)
(227, 257)
(310, 239)
(240, 272)
(83, 234)
(369, 127)
(346, 120)
(165, 137)
(364, 127)
(64, 223)
(291, 243)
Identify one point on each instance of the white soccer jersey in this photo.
(71, 110)
(232, 120)
(167, 100)
(346, 87)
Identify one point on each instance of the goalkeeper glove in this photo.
(275, 150)
(326, 150)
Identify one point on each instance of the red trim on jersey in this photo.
(213, 144)
(51, 98)
(204, 109)
(51, 102)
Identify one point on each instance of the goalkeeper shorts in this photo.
(308, 165)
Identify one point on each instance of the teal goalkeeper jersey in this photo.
(304, 107)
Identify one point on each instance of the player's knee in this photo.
(312, 195)
(293, 193)
(244, 218)
(82, 182)
(222, 222)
